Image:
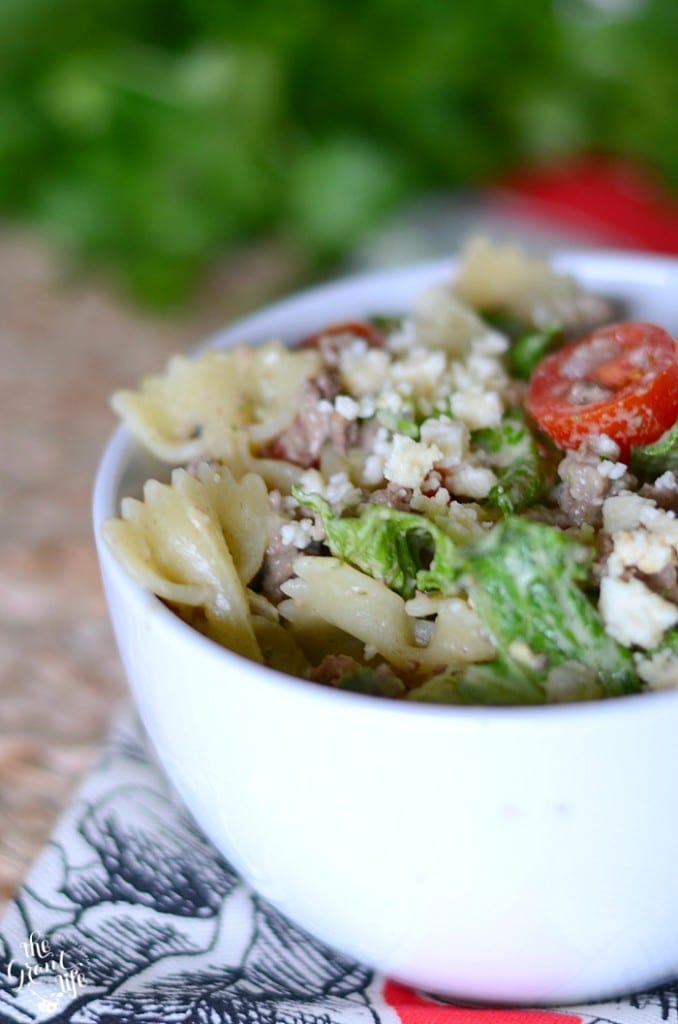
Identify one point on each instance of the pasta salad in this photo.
(469, 502)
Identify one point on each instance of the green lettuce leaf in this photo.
(405, 550)
(514, 456)
(524, 581)
(649, 461)
(499, 682)
(528, 350)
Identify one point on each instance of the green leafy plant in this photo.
(149, 137)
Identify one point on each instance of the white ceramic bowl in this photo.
(515, 855)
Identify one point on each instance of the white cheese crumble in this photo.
(633, 614)
(640, 549)
(623, 512)
(450, 436)
(363, 369)
(604, 446)
(477, 408)
(372, 470)
(471, 481)
(667, 481)
(611, 470)
(341, 493)
(409, 461)
(298, 534)
(403, 338)
(644, 536)
(419, 373)
(347, 407)
(660, 670)
(338, 490)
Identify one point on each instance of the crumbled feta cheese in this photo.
(364, 370)
(640, 549)
(347, 407)
(372, 472)
(341, 493)
(644, 536)
(338, 490)
(660, 670)
(667, 481)
(403, 338)
(366, 407)
(419, 373)
(477, 408)
(470, 481)
(633, 614)
(662, 522)
(390, 401)
(312, 482)
(604, 446)
(410, 461)
(436, 495)
(298, 534)
(492, 343)
(611, 470)
(485, 370)
(623, 512)
(450, 436)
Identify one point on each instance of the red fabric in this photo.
(415, 1009)
(619, 202)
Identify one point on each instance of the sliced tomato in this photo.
(356, 328)
(621, 380)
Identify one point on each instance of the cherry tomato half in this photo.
(621, 381)
(358, 328)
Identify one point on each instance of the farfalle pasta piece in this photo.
(504, 278)
(198, 407)
(243, 513)
(365, 608)
(197, 542)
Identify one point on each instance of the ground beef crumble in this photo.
(584, 488)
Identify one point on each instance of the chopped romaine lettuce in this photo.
(514, 457)
(529, 349)
(405, 550)
(649, 461)
(524, 581)
(502, 681)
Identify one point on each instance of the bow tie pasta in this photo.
(196, 543)
(424, 505)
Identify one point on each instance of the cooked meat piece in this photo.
(666, 496)
(277, 568)
(333, 667)
(395, 496)
(315, 424)
(584, 488)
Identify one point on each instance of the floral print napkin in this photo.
(130, 916)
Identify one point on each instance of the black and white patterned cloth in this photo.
(130, 916)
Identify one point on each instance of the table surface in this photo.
(64, 346)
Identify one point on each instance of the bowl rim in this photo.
(121, 446)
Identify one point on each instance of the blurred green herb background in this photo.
(149, 137)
